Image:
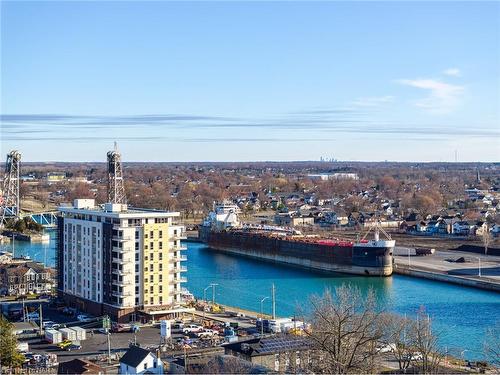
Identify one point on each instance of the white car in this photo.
(191, 328)
(388, 348)
(84, 318)
(206, 333)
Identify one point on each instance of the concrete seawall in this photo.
(443, 277)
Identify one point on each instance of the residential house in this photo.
(19, 279)
(279, 353)
(438, 226)
(140, 361)
(80, 366)
(461, 228)
(292, 219)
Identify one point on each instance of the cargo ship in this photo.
(223, 231)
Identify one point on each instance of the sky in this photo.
(245, 81)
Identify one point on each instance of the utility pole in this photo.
(41, 320)
(213, 293)
(273, 293)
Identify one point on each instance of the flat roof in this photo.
(128, 213)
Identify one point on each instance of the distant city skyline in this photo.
(251, 81)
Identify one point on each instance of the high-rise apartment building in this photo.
(120, 261)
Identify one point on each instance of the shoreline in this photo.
(433, 275)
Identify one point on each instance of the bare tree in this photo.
(492, 346)
(345, 330)
(426, 343)
(399, 339)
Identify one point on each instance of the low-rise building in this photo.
(19, 279)
(279, 353)
(140, 361)
(292, 220)
(80, 366)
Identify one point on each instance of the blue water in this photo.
(461, 315)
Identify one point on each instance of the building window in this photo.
(151, 289)
(160, 234)
(151, 245)
(160, 267)
(160, 278)
(151, 234)
(160, 245)
(151, 267)
(151, 256)
(160, 255)
(151, 278)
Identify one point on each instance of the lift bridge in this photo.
(47, 219)
(10, 203)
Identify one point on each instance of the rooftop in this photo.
(112, 210)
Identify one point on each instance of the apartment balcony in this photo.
(122, 272)
(122, 294)
(122, 261)
(177, 248)
(176, 237)
(182, 279)
(180, 269)
(124, 238)
(123, 282)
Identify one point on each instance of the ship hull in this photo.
(355, 260)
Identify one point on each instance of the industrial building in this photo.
(120, 261)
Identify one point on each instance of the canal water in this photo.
(460, 315)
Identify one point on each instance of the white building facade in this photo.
(115, 261)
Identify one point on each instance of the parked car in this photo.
(386, 348)
(72, 347)
(121, 327)
(191, 328)
(49, 324)
(68, 311)
(63, 344)
(84, 318)
(178, 325)
(414, 356)
(206, 333)
(33, 316)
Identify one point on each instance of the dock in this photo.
(477, 271)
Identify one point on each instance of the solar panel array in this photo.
(281, 344)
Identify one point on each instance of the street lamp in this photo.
(205, 299)
(205, 292)
(262, 315)
(479, 260)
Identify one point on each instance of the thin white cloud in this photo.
(443, 97)
(373, 101)
(454, 72)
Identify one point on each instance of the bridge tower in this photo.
(116, 190)
(10, 200)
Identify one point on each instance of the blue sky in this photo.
(224, 81)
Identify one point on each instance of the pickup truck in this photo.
(206, 334)
(191, 328)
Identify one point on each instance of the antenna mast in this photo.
(10, 203)
(116, 189)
